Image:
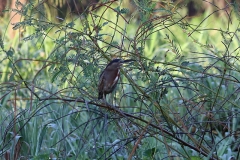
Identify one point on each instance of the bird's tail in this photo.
(100, 95)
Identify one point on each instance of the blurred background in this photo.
(62, 8)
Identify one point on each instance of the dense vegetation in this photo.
(179, 100)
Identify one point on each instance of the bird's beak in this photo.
(128, 60)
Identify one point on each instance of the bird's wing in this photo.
(116, 79)
(101, 82)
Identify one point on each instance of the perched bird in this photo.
(109, 77)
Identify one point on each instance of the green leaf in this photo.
(117, 9)
(1, 43)
(10, 52)
(71, 24)
(150, 152)
(41, 138)
(105, 23)
(195, 158)
(56, 74)
(18, 25)
(196, 67)
(124, 11)
(42, 156)
(185, 63)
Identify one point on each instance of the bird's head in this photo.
(117, 63)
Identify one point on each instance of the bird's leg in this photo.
(113, 99)
(105, 100)
(110, 98)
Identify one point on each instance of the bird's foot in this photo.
(103, 101)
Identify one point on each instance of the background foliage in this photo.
(180, 99)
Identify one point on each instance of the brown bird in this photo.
(109, 77)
